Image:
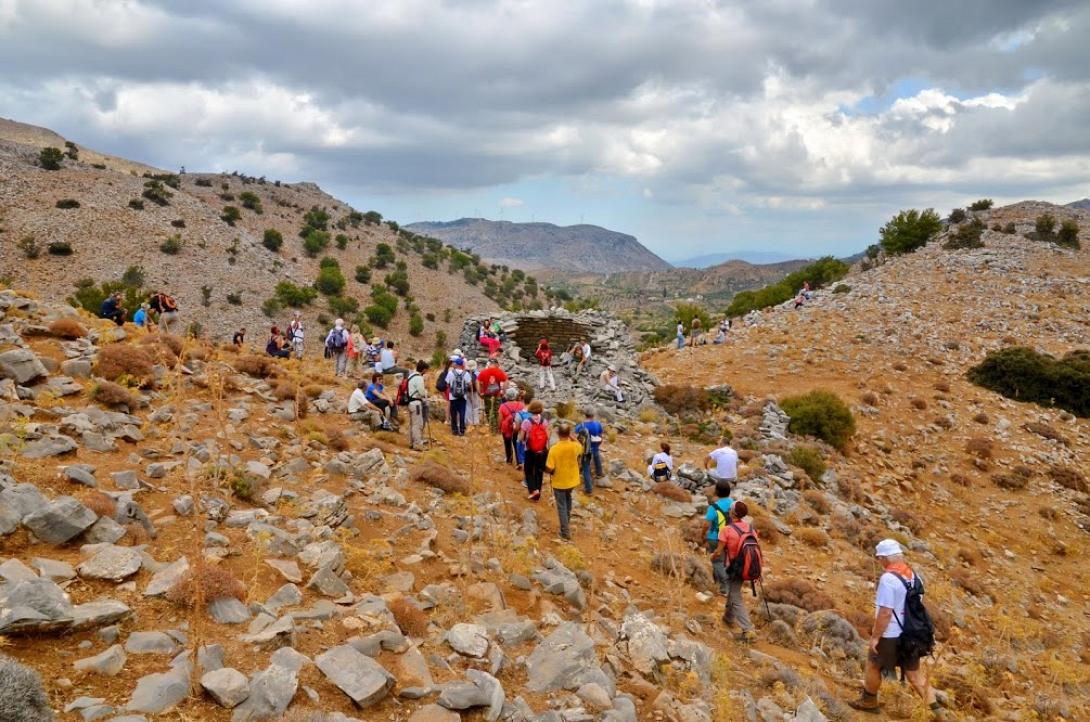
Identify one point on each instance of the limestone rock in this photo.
(481, 690)
(62, 520)
(227, 686)
(363, 679)
(111, 562)
(109, 662)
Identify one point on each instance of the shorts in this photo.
(888, 660)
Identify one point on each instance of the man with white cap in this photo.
(899, 613)
(612, 383)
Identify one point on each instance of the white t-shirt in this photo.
(891, 594)
(586, 352)
(726, 462)
(386, 358)
(357, 401)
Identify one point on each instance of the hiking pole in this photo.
(765, 598)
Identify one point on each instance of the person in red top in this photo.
(730, 544)
(490, 341)
(491, 383)
(544, 356)
(508, 411)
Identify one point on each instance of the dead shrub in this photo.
(906, 520)
(136, 533)
(436, 475)
(1045, 431)
(944, 422)
(254, 365)
(979, 447)
(968, 581)
(692, 531)
(967, 696)
(919, 404)
(196, 353)
(870, 398)
(285, 390)
(677, 399)
(981, 418)
(767, 530)
(943, 387)
(671, 491)
(1010, 480)
(686, 567)
(67, 328)
(120, 361)
(960, 479)
(799, 593)
(900, 366)
(313, 391)
(849, 489)
(969, 556)
(208, 582)
(108, 393)
(99, 503)
(811, 536)
(337, 440)
(818, 501)
(1068, 478)
(410, 618)
(862, 621)
(1047, 512)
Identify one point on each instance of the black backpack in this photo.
(917, 630)
(459, 385)
(441, 382)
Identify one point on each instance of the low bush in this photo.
(50, 158)
(100, 503)
(235, 299)
(244, 486)
(680, 400)
(842, 288)
(919, 404)
(416, 325)
(273, 239)
(330, 280)
(979, 447)
(1045, 432)
(67, 203)
(981, 205)
(315, 241)
(870, 398)
(818, 501)
(909, 230)
(230, 215)
(1068, 236)
(957, 215)
(341, 240)
(67, 328)
(809, 460)
(821, 414)
(1068, 478)
(981, 418)
(172, 246)
(968, 235)
(1011, 480)
(670, 490)
(1023, 374)
(157, 193)
(251, 201)
(288, 294)
(59, 248)
(136, 204)
(799, 593)
(254, 365)
(907, 520)
(378, 315)
(178, 223)
(122, 362)
(206, 582)
(811, 536)
(108, 393)
(436, 475)
(411, 620)
(29, 247)
(685, 567)
(363, 274)
(205, 182)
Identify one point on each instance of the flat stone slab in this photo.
(363, 679)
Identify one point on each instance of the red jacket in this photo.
(544, 355)
(488, 377)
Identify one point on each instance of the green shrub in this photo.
(686, 312)
(316, 218)
(982, 205)
(136, 204)
(809, 460)
(171, 179)
(372, 218)
(967, 235)
(384, 256)
(71, 150)
(59, 248)
(957, 215)
(393, 226)
(909, 230)
(89, 296)
(342, 241)
(315, 241)
(67, 203)
(820, 414)
(157, 193)
(1069, 234)
(288, 294)
(251, 201)
(235, 299)
(842, 288)
(272, 240)
(172, 246)
(416, 325)
(50, 158)
(363, 274)
(194, 329)
(1045, 226)
(1023, 374)
(399, 282)
(330, 280)
(270, 307)
(1010, 228)
(230, 215)
(343, 306)
(819, 273)
(378, 315)
(31, 248)
(384, 298)
(133, 277)
(206, 182)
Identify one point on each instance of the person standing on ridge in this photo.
(295, 334)
(694, 331)
(544, 356)
(418, 405)
(680, 335)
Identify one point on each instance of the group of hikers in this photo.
(160, 312)
(697, 336)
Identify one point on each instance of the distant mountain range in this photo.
(1083, 205)
(545, 246)
(714, 259)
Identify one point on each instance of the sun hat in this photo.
(471, 365)
(888, 548)
(612, 367)
(457, 353)
(374, 340)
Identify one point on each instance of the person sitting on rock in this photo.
(725, 461)
(544, 356)
(611, 381)
(661, 467)
(239, 338)
(586, 354)
(277, 346)
(376, 397)
(112, 309)
(799, 300)
(140, 318)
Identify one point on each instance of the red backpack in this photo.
(747, 564)
(537, 439)
(507, 415)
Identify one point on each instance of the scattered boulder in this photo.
(157, 693)
(108, 663)
(61, 520)
(111, 562)
(227, 686)
(481, 690)
(21, 365)
(363, 679)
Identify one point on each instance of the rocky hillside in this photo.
(203, 238)
(550, 250)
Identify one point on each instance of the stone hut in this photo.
(610, 343)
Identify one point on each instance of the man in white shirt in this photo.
(418, 409)
(295, 334)
(724, 460)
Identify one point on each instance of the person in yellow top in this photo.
(563, 464)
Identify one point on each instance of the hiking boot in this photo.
(865, 702)
(746, 637)
(535, 495)
(728, 619)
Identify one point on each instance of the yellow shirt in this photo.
(563, 459)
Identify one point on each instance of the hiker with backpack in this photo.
(695, 331)
(661, 467)
(295, 334)
(590, 433)
(276, 346)
(562, 463)
(740, 552)
(167, 309)
(544, 356)
(473, 398)
(526, 396)
(336, 348)
(492, 382)
(535, 434)
(509, 410)
(458, 383)
(902, 632)
(717, 517)
(413, 393)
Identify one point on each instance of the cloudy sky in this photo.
(795, 126)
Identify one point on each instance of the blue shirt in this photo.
(713, 516)
(140, 317)
(373, 391)
(593, 428)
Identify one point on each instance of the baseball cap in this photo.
(888, 548)
(459, 361)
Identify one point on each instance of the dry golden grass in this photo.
(67, 328)
(285, 390)
(313, 391)
(1046, 431)
(762, 522)
(1068, 478)
(906, 520)
(254, 365)
(108, 393)
(410, 618)
(337, 440)
(436, 475)
(969, 555)
(136, 533)
(671, 491)
(818, 501)
(979, 447)
(811, 536)
(798, 592)
(208, 582)
(120, 361)
(99, 503)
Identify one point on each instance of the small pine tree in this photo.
(50, 158)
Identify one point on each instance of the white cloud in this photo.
(509, 202)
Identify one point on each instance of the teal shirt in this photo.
(713, 517)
